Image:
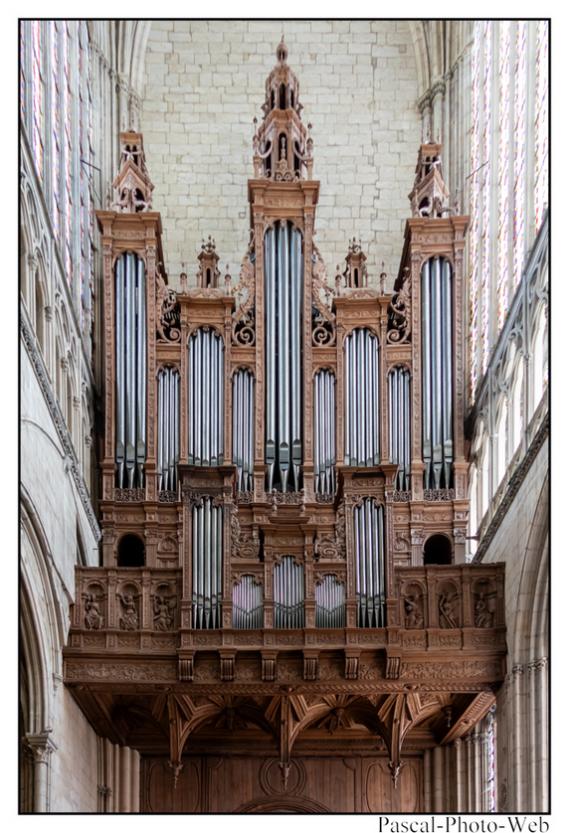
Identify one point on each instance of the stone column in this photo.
(41, 746)
(124, 779)
(135, 782)
(438, 780)
(427, 804)
(459, 768)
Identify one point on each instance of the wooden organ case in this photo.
(284, 618)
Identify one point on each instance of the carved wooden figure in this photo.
(284, 501)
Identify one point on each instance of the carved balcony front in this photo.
(443, 623)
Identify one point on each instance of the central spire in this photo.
(282, 146)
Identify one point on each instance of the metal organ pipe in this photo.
(288, 589)
(205, 398)
(130, 349)
(207, 549)
(361, 398)
(243, 398)
(330, 603)
(438, 449)
(324, 433)
(369, 564)
(400, 425)
(283, 355)
(168, 427)
(247, 603)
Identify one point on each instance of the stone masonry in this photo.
(204, 85)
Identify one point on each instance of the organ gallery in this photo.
(283, 618)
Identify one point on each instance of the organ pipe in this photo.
(361, 398)
(207, 550)
(400, 425)
(324, 433)
(130, 349)
(168, 427)
(247, 603)
(330, 603)
(243, 398)
(283, 356)
(205, 398)
(369, 555)
(288, 590)
(438, 449)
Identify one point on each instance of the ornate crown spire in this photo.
(282, 145)
(429, 197)
(132, 187)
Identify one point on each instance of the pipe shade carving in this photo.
(130, 353)
(437, 358)
(205, 406)
(284, 270)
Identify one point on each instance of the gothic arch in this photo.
(531, 630)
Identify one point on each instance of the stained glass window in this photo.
(520, 149)
(38, 100)
(55, 129)
(541, 121)
(504, 172)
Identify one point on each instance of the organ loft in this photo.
(283, 618)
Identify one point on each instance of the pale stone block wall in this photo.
(205, 81)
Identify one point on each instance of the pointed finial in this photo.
(282, 51)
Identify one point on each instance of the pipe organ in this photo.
(243, 421)
(130, 351)
(206, 398)
(283, 355)
(284, 449)
(207, 548)
(369, 551)
(437, 355)
(168, 428)
(324, 433)
(362, 398)
(400, 425)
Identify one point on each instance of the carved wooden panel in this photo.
(315, 784)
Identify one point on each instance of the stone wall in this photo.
(205, 83)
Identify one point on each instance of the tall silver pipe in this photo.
(141, 371)
(120, 361)
(436, 371)
(296, 364)
(270, 355)
(447, 348)
(426, 357)
(284, 353)
(130, 374)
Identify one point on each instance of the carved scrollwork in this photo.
(243, 327)
(323, 319)
(399, 315)
(168, 311)
(438, 494)
(129, 495)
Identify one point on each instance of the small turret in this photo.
(208, 274)
(132, 188)
(429, 197)
(282, 146)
